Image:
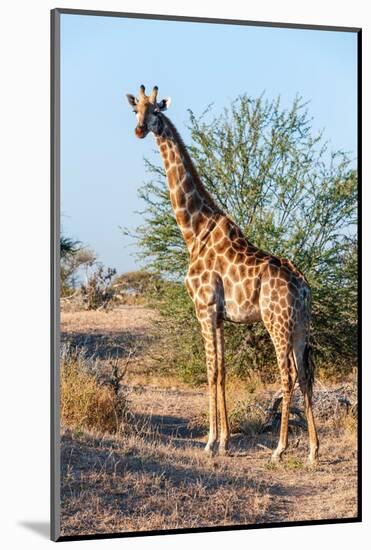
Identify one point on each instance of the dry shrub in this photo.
(350, 423)
(345, 421)
(97, 292)
(86, 403)
(246, 417)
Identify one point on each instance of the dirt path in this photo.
(157, 475)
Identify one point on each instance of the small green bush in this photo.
(267, 167)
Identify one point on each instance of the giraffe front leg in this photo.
(222, 406)
(208, 327)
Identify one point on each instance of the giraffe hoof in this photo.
(210, 449)
(224, 451)
(276, 457)
(312, 462)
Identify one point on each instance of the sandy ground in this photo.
(157, 476)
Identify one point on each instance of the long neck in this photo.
(194, 209)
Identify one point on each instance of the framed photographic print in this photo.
(206, 274)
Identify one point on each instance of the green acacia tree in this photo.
(291, 196)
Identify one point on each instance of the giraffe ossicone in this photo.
(230, 279)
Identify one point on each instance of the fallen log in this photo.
(327, 403)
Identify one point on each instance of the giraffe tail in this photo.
(308, 363)
(309, 367)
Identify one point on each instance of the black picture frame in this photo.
(55, 262)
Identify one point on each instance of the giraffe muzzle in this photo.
(141, 131)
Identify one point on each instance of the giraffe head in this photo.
(147, 110)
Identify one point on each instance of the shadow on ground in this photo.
(103, 345)
(128, 478)
(168, 427)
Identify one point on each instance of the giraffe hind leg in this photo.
(288, 378)
(305, 373)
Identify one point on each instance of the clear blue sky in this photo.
(196, 64)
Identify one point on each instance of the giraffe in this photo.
(230, 279)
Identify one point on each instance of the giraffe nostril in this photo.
(140, 131)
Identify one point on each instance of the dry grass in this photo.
(134, 319)
(145, 484)
(162, 479)
(157, 476)
(84, 404)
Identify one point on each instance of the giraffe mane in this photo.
(190, 164)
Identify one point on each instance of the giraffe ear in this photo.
(164, 104)
(132, 100)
